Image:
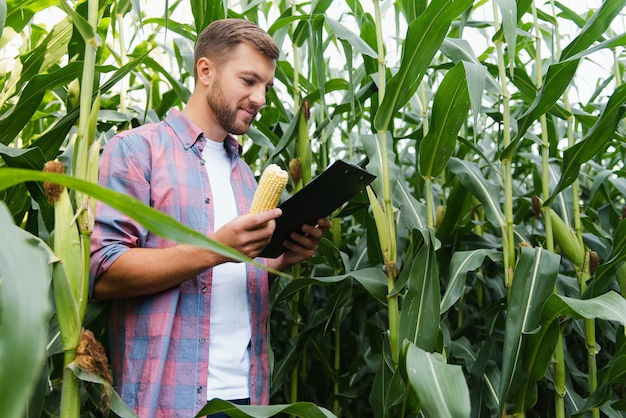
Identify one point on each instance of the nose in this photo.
(257, 97)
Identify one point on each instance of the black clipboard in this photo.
(319, 198)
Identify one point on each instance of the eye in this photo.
(248, 81)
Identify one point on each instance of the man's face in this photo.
(239, 88)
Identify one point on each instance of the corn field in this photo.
(482, 274)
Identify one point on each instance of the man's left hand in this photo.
(301, 246)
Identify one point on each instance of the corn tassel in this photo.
(271, 186)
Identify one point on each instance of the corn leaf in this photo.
(157, 222)
(440, 387)
(52, 139)
(533, 282)
(450, 107)
(69, 281)
(205, 12)
(605, 272)
(13, 120)
(24, 277)
(596, 140)
(372, 279)
(115, 403)
(388, 387)
(373, 146)
(20, 12)
(461, 263)
(423, 38)
(40, 59)
(3, 15)
(537, 353)
(297, 409)
(83, 26)
(508, 9)
(419, 318)
(486, 192)
(483, 374)
(560, 74)
(610, 306)
(412, 212)
(344, 34)
(31, 158)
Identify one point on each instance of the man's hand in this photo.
(301, 246)
(248, 234)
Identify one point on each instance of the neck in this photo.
(198, 111)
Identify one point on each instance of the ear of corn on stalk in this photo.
(271, 186)
(566, 238)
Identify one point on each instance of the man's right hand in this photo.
(248, 234)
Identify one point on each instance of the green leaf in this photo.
(537, 353)
(412, 212)
(605, 273)
(560, 74)
(610, 306)
(3, 15)
(24, 276)
(345, 34)
(387, 388)
(486, 192)
(115, 403)
(508, 9)
(372, 279)
(461, 263)
(66, 306)
(157, 222)
(440, 387)
(595, 140)
(298, 409)
(20, 12)
(450, 107)
(13, 120)
(205, 12)
(419, 317)
(423, 38)
(533, 282)
(87, 32)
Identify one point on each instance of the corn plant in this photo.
(481, 274)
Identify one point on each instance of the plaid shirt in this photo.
(159, 343)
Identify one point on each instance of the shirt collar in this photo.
(188, 133)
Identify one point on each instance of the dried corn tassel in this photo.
(271, 186)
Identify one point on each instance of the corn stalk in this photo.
(71, 291)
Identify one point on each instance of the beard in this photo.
(224, 114)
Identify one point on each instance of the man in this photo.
(188, 325)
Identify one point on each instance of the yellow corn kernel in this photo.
(271, 186)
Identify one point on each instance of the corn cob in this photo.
(271, 186)
(566, 238)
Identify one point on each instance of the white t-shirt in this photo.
(229, 357)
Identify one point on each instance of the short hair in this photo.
(220, 37)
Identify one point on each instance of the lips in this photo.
(250, 112)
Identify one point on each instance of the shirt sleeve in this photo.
(123, 168)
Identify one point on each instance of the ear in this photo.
(205, 70)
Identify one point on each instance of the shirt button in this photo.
(202, 162)
(204, 289)
(202, 340)
(199, 389)
(207, 200)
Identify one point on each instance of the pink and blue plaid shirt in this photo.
(159, 344)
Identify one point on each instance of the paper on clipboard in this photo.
(319, 198)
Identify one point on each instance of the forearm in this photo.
(143, 271)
